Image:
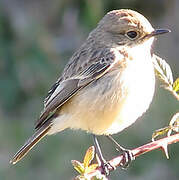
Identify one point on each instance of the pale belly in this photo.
(112, 103)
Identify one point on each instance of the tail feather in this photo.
(31, 142)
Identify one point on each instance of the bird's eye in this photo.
(132, 34)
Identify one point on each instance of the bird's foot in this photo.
(106, 167)
(128, 157)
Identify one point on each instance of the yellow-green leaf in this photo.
(163, 70)
(160, 132)
(99, 177)
(78, 166)
(176, 85)
(80, 177)
(91, 168)
(89, 156)
(174, 124)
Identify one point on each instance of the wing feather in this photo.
(62, 91)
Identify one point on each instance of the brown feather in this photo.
(31, 142)
(69, 87)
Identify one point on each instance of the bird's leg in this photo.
(128, 156)
(104, 164)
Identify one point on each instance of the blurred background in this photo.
(37, 38)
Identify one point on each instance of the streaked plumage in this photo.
(107, 84)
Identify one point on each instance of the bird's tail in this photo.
(31, 142)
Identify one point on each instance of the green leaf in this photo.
(78, 166)
(99, 177)
(91, 168)
(176, 85)
(163, 70)
(160, 132)
(80, 177)
(174, 124)
(89, 156)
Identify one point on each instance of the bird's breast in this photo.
(114, 101)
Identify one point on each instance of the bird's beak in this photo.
(157, 32)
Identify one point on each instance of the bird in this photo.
(106, 85)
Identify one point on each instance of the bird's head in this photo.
(126, 27)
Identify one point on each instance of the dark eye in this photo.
(132, 34)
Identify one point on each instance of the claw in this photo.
(127, 158)
(106, 168)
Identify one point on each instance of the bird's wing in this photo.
(62, 91)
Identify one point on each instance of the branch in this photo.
(115, 162)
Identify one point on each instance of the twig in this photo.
(161, 143)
